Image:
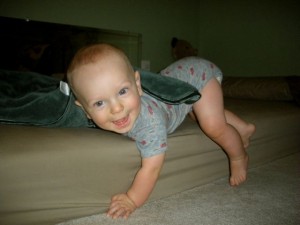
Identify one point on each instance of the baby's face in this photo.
(110, 95)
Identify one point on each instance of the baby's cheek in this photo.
(102, 121)
(136, 104)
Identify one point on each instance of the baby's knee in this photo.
(213, 128)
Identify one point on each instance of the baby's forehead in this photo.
(109, 62)
(105, 70)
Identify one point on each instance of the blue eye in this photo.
(98, 104)
(123, 91)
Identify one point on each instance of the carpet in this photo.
(271, 196)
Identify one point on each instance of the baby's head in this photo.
(106, 87)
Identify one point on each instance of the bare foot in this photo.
(238, 169)
(245, 129)
(247, 133)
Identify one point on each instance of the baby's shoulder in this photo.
(151, 120)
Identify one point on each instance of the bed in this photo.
(53, 174)
(50, 175)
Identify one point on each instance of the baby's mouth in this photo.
(121, 123)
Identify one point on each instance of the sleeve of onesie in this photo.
(152, 140)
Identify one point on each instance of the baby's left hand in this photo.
(121, 206)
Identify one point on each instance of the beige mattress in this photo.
(49, 175)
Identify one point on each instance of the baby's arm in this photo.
(122, 205)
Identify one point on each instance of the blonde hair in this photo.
(93, 53)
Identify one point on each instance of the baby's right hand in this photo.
(121, 206)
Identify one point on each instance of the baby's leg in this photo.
(246, 130)
(209, 111)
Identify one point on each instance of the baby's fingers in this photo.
(118, 212)
(115, 213)
(121, 206)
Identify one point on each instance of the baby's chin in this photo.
(123, 130)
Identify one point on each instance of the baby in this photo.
(109, 91)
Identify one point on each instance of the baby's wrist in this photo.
(132, 201)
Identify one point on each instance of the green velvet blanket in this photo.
(28, 98)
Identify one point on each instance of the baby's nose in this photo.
(116, 107)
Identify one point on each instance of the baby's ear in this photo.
(79, 104)
(138, 82)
